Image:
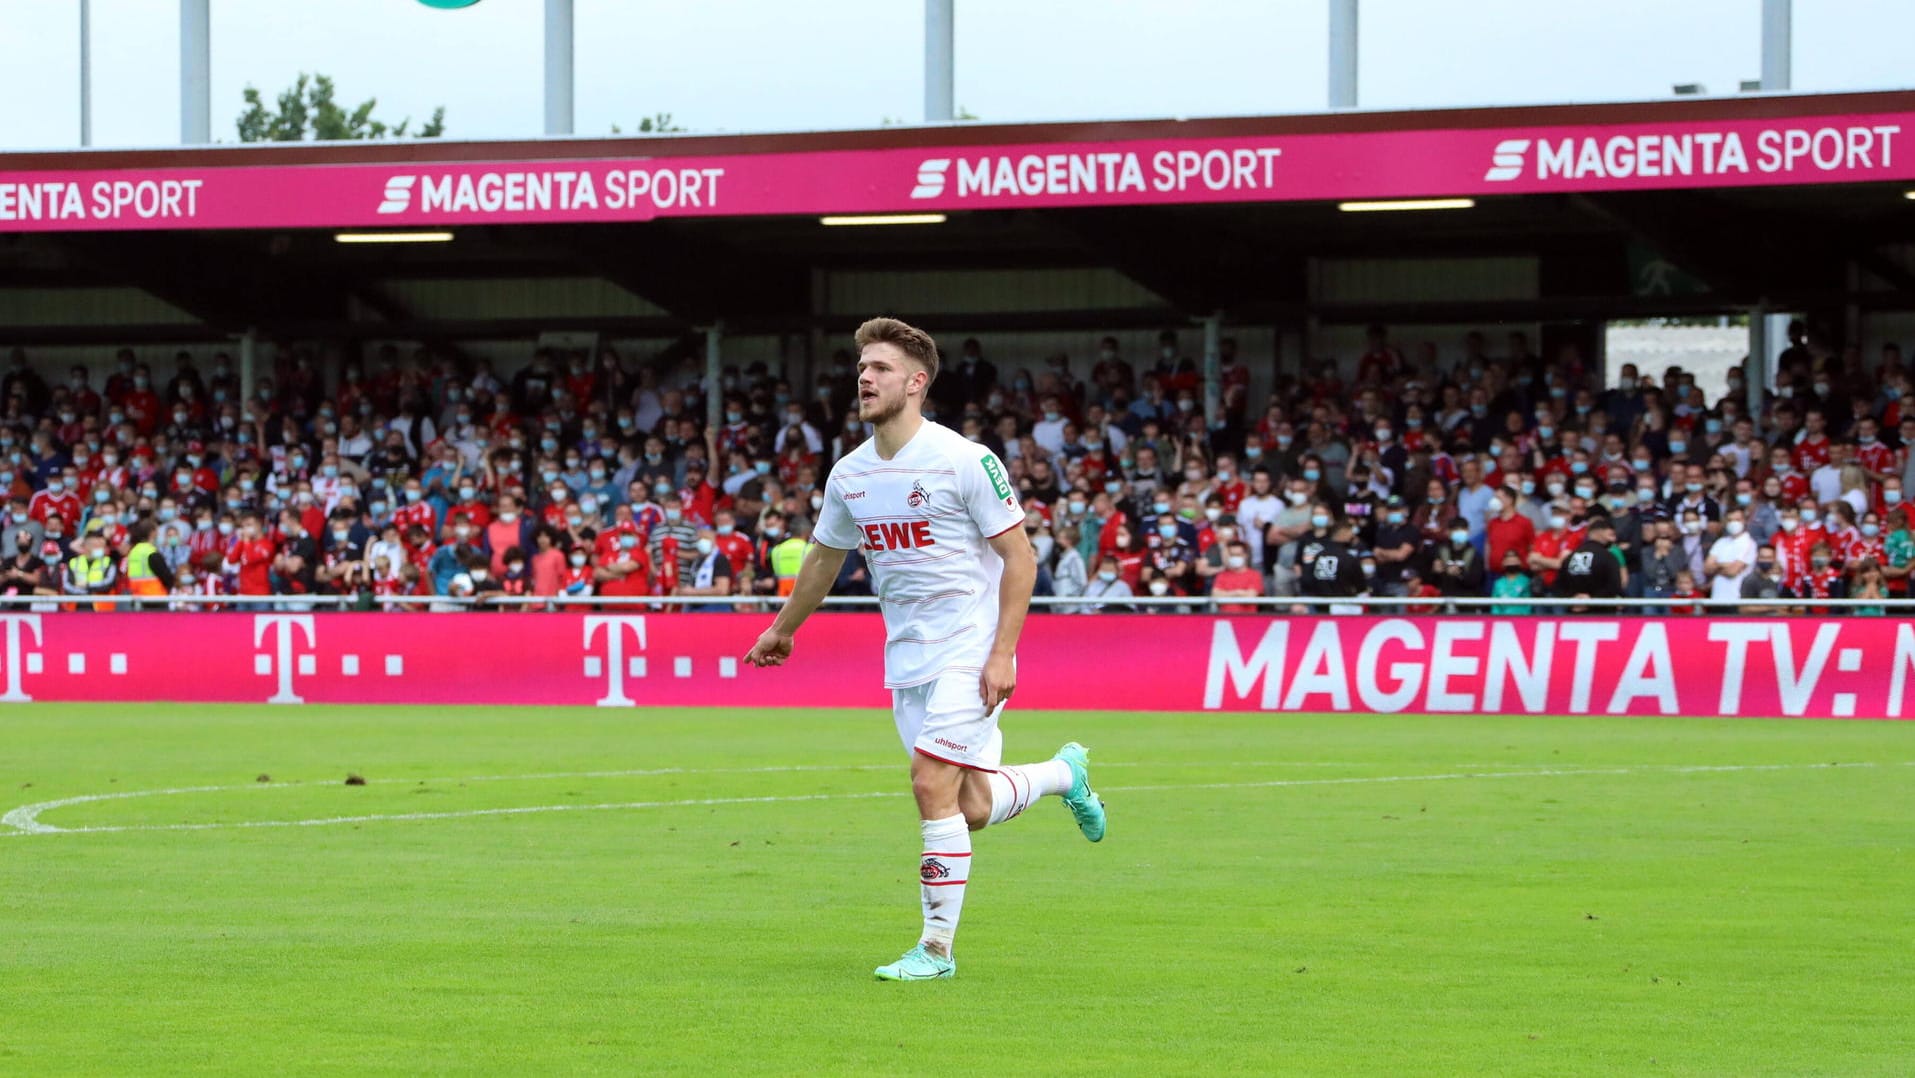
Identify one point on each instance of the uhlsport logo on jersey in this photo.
(1506, 163)
(398, 194)
(999, 484)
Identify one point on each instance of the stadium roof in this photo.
(1790, 200)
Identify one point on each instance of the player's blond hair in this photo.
(916, 344)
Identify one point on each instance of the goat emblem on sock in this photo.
(933, 869)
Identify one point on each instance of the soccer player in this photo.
(941, 528)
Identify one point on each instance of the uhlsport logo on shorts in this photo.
(999, 484)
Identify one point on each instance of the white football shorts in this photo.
(944, 718)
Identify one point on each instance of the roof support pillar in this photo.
(558, 67)
(196, 80)
(1755, 380)
(714, 381)
(939, 69)
(1213, 371)
(248, 365)
(1776, 44)
(1343, 54)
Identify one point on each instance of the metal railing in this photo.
(1277, 604)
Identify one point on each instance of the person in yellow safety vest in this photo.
(147, 573)
(787, 556)
(93, 572)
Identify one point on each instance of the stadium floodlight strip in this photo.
(1408, 204)
(392, 237)
(885, 219)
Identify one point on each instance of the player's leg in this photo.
(944, 863)
(944, 867)
(1003, 793)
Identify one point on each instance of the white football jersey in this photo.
(922, 519)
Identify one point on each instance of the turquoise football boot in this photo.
(1086, 807)
(918, 964)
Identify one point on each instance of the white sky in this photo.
(756, 65)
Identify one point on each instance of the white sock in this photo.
(943, 869)
(1014, 788)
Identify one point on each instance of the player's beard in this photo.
(880, 411)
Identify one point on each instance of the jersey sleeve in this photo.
(985, 485)
(835, 527)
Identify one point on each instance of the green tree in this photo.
(310, 110)
(660, 123)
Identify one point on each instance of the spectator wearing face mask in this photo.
(1730, 559)
(1333, 570)
(1238, 580)
(34, 570)
(1592, 570)
(575, 580)
(1310, 529)
(1824, 578)
(547, 563)
(1104, 588)
(1453, 566)
(55, 499)
(1170, 557)
(250, 557)
(510, 528)
(1069, 573)
(624, 567)
(1396, 549)
(1507, 531)
(681, 532)
(1764, 582)
(709, 575)
(1511, 583)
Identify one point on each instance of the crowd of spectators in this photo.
(419, 480)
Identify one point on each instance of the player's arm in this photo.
(1015, 583)
(815, 577)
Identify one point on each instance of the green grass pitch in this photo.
(1298, 894)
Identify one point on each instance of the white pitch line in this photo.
(25, 819)
(27, 823)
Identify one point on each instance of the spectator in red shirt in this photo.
(142, 405)
(736, 547)
(699, 498)
(1237, 580)
(511, 528)
(1508, 531)
(1550, 549)
(251, 557)
(55, 500)
(1812, 450)
(575, 580)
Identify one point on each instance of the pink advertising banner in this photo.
(1350, 165)
(1824, 668)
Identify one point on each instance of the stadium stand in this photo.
(421, 482)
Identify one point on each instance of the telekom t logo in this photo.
(1506, 163)
(281, 659)
(31, 660)
(613, 666)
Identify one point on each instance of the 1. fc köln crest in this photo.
(919, 497)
